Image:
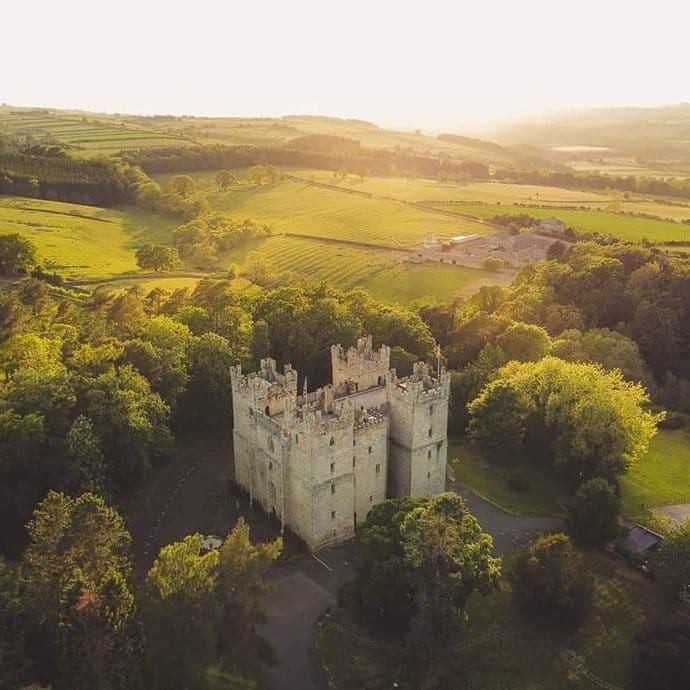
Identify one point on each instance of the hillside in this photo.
(92, 133)
(661, 133)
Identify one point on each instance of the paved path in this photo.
(678, 513)
(176, 504)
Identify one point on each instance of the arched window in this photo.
(332, 440)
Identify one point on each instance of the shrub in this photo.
(550, 582)
(593, 514)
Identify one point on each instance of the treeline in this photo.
(622, 306)
(376, 161)
(596, 182)
(98, 182)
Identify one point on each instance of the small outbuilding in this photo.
(639, 540)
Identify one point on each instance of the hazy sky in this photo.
(427, 63)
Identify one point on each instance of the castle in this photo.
(320, 461)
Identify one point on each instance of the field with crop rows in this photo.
(82, 241)
(86, 134)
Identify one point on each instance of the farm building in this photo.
(551, 226)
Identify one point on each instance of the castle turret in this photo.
(359, 368)
(418, 432)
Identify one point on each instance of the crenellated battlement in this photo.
(420, 387)
(359, 368)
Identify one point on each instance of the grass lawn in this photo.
(546, 496)
(83, 241)
(662, 477)
(404, 283)
(620, 225)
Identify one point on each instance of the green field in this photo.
(404, 283)
(310, 210)
(617, 224)
(82, 241)
(662, 477)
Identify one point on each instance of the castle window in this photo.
(332, 467)
(378, 468)
(429, 455)
(251, 411)
(354, 460)
(431, 409)
(429, 432)
(267, 410)
(332, 514)
(332, 488)
(270, 466)
(371, 497)
(369, 450)
(296, 439)
(354, 442)
(428, 475)
(332, 440)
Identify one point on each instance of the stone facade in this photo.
(320, 462)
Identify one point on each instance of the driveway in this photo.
(176, 504)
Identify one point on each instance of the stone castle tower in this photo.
(320, 463)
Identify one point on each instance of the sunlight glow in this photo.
(432, 64)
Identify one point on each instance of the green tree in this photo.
(524, 342)
(592, 423)
(67, 535)
(157, 257)
(449, 557)
(499, 419)
(182, 185)
(242, 568)
(183, 612)
(493, 263)
(86, 467)
(16, 252)
(593, 513)
(671, 563)
(382, 592)
(225, 179)
(550, 582)
(99, 642)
